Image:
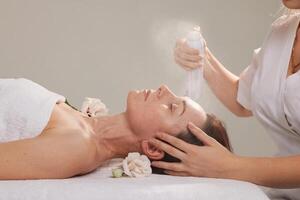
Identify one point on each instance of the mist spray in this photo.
(194, 82)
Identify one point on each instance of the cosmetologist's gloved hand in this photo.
(211, 160)
(186, 57)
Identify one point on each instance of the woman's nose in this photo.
(164, 90)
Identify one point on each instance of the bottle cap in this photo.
(195, 34)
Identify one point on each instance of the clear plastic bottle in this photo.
(194, 82)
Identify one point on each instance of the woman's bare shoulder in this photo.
(65, 120)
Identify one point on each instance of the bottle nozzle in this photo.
(195, 34)
(197, 28)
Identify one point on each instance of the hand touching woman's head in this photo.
(212, 127)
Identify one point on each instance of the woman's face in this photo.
(291, 4)
(150, 111)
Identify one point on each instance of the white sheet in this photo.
(99, 185)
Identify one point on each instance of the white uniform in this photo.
(273, 98)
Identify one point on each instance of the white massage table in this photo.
(99, 185)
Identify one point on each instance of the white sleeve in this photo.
(245, 81)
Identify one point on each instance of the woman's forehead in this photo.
(194, 112)
(192, 104)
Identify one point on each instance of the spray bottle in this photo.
(194, 82)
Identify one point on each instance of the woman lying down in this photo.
(42, 137)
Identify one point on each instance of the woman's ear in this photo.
(151, 151)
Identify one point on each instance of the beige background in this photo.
(103, 48)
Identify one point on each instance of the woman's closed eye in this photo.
(178, 108)
(173, 107)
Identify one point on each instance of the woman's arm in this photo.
(281, 172)
(53, 155)
(224, 84)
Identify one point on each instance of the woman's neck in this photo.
(114, 137)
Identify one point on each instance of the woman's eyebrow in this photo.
(184, 107)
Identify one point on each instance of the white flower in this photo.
(136, 165)
(93, 107)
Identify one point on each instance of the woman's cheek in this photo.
(168, 124)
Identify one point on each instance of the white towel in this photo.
(25, 108)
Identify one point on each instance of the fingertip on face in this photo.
(191, 125)
(159, 134)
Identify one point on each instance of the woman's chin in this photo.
(132, 101)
